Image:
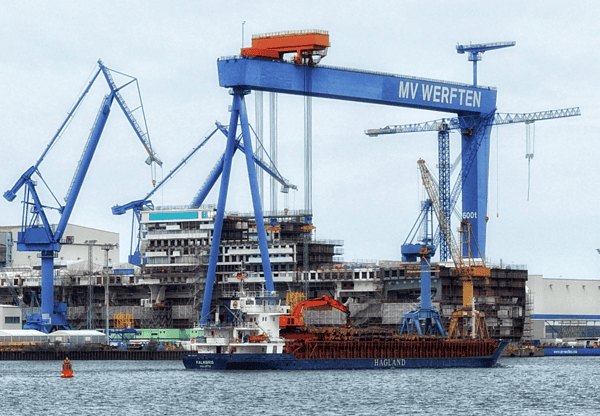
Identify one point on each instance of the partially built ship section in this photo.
(166, 291)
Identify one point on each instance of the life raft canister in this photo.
(67, 369)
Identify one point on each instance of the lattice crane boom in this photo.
(468, 122)
(466, 271)
(429, 184)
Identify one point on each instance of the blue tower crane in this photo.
(46, 238)
(469, 126)
(425, 320)
(476, 51)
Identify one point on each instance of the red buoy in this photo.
(67, 369)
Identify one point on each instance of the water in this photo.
(527, 386)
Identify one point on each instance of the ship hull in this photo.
(234, 361)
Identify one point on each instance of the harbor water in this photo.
(527, 386)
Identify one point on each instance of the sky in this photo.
(366, 191)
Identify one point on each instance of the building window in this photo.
(12, 320)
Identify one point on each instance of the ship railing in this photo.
(225, 325)
(249, 294)
(203, 207)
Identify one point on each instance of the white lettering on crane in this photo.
(427, 90)
(452, 94)
(462, 93)
(476, 98)
(469, 99)
(436, 93)
(445, 93)
(407, 88)
(440, 94)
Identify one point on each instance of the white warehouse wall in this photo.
(564, 296)
(71, 253)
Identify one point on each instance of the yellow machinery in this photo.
(466, 268)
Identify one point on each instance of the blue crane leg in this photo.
(475, 190)
(216, 240)
(258, 215)
(47, 282)
(86, 159)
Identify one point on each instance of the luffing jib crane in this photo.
(140, 204)
(465, 270)
(46, 238)
(425, 320)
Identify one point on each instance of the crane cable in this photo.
(529, 147)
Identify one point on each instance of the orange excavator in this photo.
(295, 319)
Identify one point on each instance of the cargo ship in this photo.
(260, 333)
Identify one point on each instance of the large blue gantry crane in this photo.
(46, 238)
(269, 72)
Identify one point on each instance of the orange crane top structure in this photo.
(310, 46)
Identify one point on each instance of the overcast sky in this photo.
(366, 191)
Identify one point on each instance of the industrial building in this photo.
(78, 245)
(10, 317)
(564, 308)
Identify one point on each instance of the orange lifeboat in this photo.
(67, 369)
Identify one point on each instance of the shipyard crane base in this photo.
(422, 322)
(425, 320)
(460, 328)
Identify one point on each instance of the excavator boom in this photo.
(295, 319)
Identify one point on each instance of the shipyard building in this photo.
(564, 308)
(166, 290)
